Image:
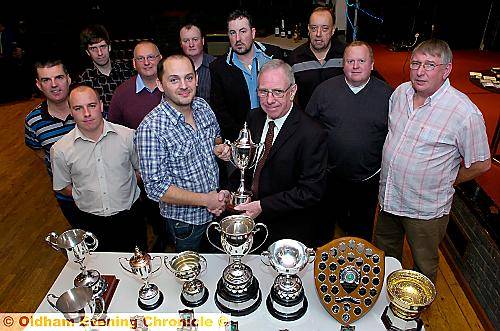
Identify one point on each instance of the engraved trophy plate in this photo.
(409, 293)
(244, 154)
(349, 274)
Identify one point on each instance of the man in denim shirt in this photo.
(175, 144)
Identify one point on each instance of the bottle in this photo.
(296, 33)
(282, 29)
(277, 29)
(289, 32)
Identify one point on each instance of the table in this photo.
(283, 43)
(494, 72)
(125, 298)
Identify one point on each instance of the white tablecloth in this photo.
(125, 297)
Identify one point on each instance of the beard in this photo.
(243, 51)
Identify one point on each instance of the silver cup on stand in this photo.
(77, 244)
(287, 300)
(186, 267)
(244, 154)
(77, 303)
(238, 291)
(150, 297)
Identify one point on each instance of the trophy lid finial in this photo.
(140, 258)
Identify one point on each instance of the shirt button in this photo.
(98, 160)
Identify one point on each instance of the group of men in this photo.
(338, 141)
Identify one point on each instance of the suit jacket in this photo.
(293, 178)
(229, 95)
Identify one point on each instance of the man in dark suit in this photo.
(234, 75)
(290, 179)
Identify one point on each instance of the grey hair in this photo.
(275, 64)
(435, 47)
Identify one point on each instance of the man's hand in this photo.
(251, 209)
(217, 207)
(222, 151)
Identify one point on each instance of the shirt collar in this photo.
(280, 121)
(139, 85)
(173, 114)
(107, 128)
(259, 51)
(356, 89)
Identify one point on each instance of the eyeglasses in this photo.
(414, 65)
(277, 93)
(149, 57)
(94, 49)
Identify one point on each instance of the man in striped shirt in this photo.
(175, 144)
(51, 120)
(436, 139)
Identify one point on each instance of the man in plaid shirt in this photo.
(436, 139)
(175, 143)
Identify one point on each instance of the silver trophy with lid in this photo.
(244, 155)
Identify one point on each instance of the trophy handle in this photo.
(312, 255)
(203, 264)
(255, 231)
(266, 255)
(51, 239)
(167, 264)
(50, 295)
(159, 265)
(97, 314)
(123, 266)
(94, 242)
(217, 227)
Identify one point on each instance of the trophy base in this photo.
(112, 282)
(394, 323)
(194, 304)
(150, 305)
(238, 304)
(286, 311)
(94, 280)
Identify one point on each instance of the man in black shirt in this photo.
(354, 109)
(320, 58)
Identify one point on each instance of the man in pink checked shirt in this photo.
(436, 139)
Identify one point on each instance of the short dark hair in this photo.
(189, 26)
(48, 63)
(93, 34)
(240, 13)
(160, 69)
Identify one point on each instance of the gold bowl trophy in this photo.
(409, 294)
(186, 266)
(238, 291)
(287, 300)
(77, 244)
(244, 154)
(150, 297)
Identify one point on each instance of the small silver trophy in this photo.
(77, 244)
(150, 297)
(287, 301)
(238, 291)
(76, 303)
(244, 154)
(186, 266)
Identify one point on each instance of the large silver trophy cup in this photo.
(77, 303)
(150, 297)
(186, 267)
(244, 154)
(287, 301)
(238, 290)
(77, 244)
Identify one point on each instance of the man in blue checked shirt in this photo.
(175, 144)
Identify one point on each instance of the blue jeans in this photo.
(187, 237)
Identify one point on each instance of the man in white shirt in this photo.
(96, 164)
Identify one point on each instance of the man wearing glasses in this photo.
(320, 58)
(104, 75)
(436, 140)
(137, 96)
(290, 178)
